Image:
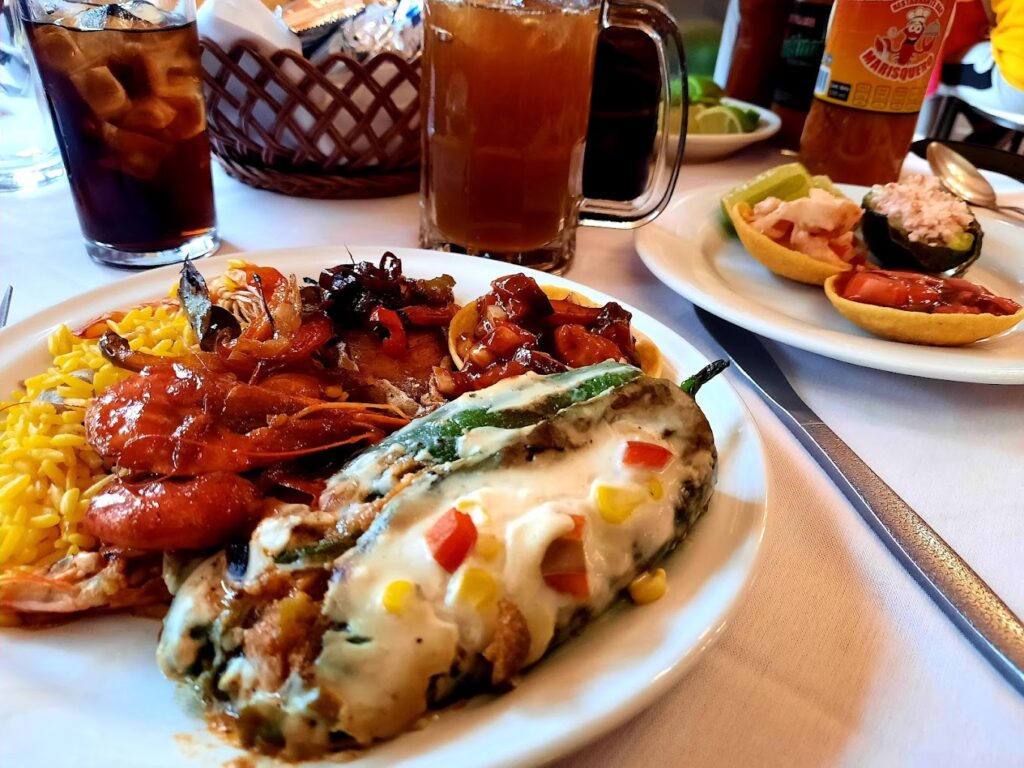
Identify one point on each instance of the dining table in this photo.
(834, 655)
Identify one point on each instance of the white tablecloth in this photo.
(835, 656)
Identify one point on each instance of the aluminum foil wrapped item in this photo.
(381, 26)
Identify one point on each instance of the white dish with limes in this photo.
(717, 131)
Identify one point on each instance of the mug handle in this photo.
(656, 23)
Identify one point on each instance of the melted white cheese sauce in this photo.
(383, 683)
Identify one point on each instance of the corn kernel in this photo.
(477, 587)
(333, 391)
(475, 510)
(648, 587)
(616, 503)
(488, 546)
(396, 596)
(656, 489)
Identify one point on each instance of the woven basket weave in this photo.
(338, 129)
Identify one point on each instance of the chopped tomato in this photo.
(917, 292)
(564, 566)
(265, 278)
(395, 342)
(506, 338)
(576, 347)
(645, 455)
(451, 538)
(871, 288)
(567, 312)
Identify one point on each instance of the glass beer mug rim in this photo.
(438, 141)
(123, 82)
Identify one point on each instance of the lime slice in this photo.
(703, 90)
(824, 182)
(749, 118)
(718, 120)
(786, 182)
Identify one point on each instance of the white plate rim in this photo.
(678, 271)
(22, 337)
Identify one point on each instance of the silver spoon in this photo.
(963, 179)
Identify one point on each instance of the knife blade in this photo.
(962, 595)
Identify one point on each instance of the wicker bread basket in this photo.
(337, 129)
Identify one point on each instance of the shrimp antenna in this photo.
(351, 258)
(266, 307)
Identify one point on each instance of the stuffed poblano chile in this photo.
(917, 225)
(444, 560)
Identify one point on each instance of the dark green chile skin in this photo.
(893, 250)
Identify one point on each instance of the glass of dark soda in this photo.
(123, 82)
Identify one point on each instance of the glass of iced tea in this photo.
(123, 83)
(505, 101)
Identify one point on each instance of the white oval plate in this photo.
(90, 694)
(705, 147)
(689, 251)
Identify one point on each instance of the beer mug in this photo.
(505, 100)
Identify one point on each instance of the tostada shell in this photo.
(778, 258)
(460, 331)
(942, 330)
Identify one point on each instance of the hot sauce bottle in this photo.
(799, 61)
(879, 56)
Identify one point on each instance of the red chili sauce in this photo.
(520, 329)
(916, 292)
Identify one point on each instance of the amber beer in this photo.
(505, 100)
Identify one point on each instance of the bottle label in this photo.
(801, 54)
(880, 54)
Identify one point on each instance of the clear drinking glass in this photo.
(28, 149)
(124, 88)
(505, 101)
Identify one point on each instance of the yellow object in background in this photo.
(1008, 40)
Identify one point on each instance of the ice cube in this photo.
(148, 115)
(102, 91)
(92, 20)
(148, 14)
(191, 117)
(172, 74)
(134, 154)
(56, 49)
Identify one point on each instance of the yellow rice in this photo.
(48, 473)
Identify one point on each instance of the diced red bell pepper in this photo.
(396, 343)
(451, 538)
(575, 584)
(564, 566)
(314, 332)
(645, 455)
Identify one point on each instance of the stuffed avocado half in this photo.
(916, 224)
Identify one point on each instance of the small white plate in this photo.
(90, 694)
(705, 147)
(688, 250)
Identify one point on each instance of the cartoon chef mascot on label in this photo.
(901, 45)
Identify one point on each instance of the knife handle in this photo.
(963, 596)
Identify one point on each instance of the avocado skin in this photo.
(893, 250)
